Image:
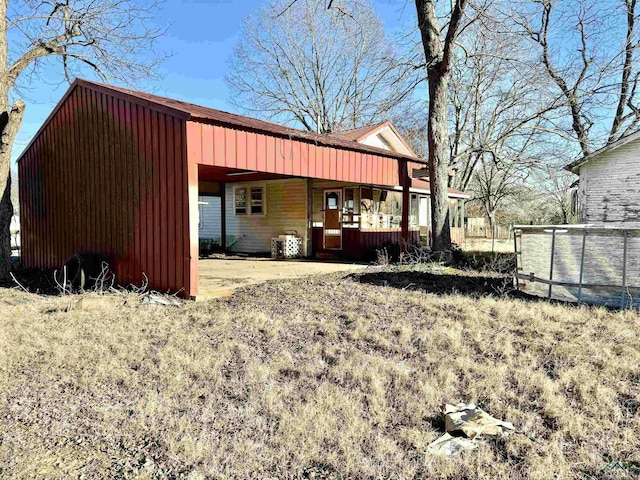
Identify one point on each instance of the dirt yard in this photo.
(329, 377)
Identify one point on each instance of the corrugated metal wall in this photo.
(227, 147)
(109, 176)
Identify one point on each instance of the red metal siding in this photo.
(359, 244)
(109, 176)
(233, 148)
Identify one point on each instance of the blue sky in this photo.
(201, 37)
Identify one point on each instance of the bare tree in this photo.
(502, 171)
(411, 122)
(111, 39)
(556, 184)
(439, 54)
(327, 66)
(494, 100)
(598, 80)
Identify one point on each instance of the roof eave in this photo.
(46, 122)
(574, 166)
(102, 88)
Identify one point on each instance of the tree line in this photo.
(497, 96)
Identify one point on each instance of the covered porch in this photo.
(338, 199)
(242, 211)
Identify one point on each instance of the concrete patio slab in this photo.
(219, 277)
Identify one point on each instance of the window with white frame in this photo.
(257, 199)
(240, 200)
(249, 200)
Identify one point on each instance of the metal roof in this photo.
(198, 113)
(575, 165)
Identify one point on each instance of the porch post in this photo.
(308, 237)
(192, 240)
(223, 216)
(405, 181)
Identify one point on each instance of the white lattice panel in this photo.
(289, 247)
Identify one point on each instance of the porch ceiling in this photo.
(227, 175)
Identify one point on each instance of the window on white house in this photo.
(257, 199)
(240, 195)
(249, 200)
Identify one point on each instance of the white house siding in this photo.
(210, 218)
(286, 211)
(609, 190)
(15, 232)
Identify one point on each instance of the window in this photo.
(240, 195)
(414, 210)
(332, 201)
(349, 200)
(394, 206)
(366, 207)
(318, 208)
(380, 208)
(257, 194)
(351, 208)
(249, 200)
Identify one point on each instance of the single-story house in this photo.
(608, 191)
(134, 177)
(376, 210)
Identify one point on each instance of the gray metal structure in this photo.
(579, 263)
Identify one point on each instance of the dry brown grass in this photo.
(314, 378)
(476, 244)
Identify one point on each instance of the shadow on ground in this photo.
(457, 283)
(462, 282)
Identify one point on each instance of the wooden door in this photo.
(332, 228)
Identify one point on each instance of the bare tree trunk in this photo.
(629, 48)
(6, 212)
(438, 138)
(10, 122)
(438, 55)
